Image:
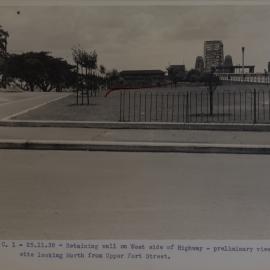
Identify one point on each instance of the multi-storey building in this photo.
(213, 54)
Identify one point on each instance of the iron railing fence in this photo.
(251, 106)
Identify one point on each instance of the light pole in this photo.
(243, 61)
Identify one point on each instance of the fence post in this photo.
(82, 102)
(254, 106)
(187, 107)
(120, 107)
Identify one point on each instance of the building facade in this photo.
(199, 64)
(228, 62)
(213, 54)
(227, 66)
(142, 78)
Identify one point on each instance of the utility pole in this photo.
(243, 61)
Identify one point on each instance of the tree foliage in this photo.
(102, 69)
(211, 81)
(194, 75)
(3, 40)
(87, 67)
(3, 55)
(34, 70)
(175, 75)
(112, 77)
(85, 61)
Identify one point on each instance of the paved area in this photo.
(95, 195)
(12, 103)
(135, 135)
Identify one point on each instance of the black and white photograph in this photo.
(134, 121)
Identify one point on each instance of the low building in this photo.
(141, 78)
(236, 69)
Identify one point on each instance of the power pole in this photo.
(243, 61)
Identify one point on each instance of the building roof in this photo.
(177, 66)
(142, 72)
(213, 41)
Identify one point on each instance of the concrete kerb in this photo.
(135, 147)
(136, 125)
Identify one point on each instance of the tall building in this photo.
(213, 54)
(228, 62)
(199, 64)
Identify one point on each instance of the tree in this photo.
(39, 70)
(103, 79)
(3, 41)
(90, 62)
(176, 73)
(86, 63)
(102, 69)
(112, 76)
(77, 54)
(211, 81)
(3, 55)
(194, 75)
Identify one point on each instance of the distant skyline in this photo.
(141, 37)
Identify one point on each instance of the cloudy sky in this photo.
(140, 37)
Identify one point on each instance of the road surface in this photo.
(13, 103)
(99, 195)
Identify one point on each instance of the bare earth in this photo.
(108, 108)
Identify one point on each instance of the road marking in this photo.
(33, 108)
(18, 101)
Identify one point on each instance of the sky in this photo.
(140, 37)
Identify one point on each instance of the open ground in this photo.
(236, 107)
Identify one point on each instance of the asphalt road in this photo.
(99, 195)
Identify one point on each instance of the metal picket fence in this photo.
(251, 106)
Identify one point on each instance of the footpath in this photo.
(115, 136)
(135, 140)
